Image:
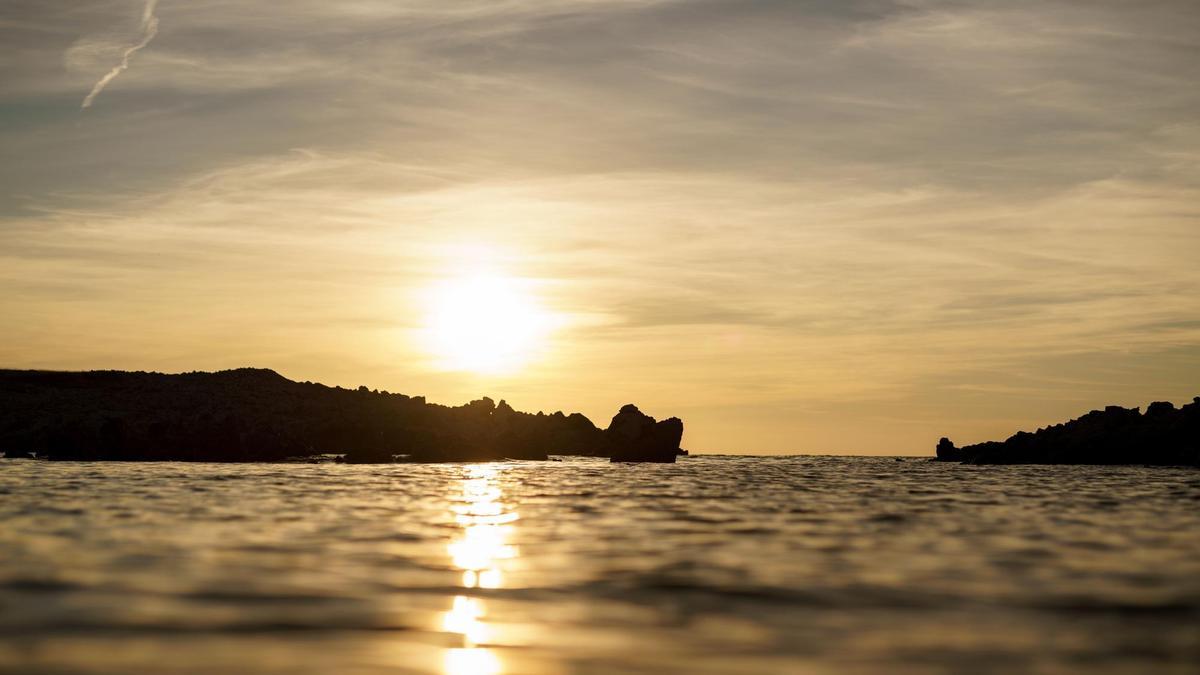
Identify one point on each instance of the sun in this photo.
(484, 323)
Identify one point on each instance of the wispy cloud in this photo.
(149, 30)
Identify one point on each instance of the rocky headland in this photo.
(257, 415)
(1163, 435)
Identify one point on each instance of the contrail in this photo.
(149, 30)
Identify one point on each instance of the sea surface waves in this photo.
(712, 565)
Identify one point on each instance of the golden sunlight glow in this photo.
(484, 323)
(479, 552)
(465, 618)
(472, 662)
(487, 526)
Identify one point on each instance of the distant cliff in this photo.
(1164, 435)
(256, 415)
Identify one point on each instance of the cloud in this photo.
(794, 205)
(149, 30)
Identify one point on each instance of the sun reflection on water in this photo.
(472, 662)
(479, 551)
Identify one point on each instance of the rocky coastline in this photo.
(1164, 436)
(257, 415)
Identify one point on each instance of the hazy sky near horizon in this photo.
(842, 226)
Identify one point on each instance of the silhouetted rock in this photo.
(946, 452)
(256, 415)
(636, 437)
(1163, 436)
(1159, 408)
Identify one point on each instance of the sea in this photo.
(716, 564)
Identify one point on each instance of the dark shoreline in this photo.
(257, 415)
(1163, 436)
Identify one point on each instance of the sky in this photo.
(803, 227)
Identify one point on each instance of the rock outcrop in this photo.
(1164, 435)
(946, 452)
(255, 415)
(634, 436)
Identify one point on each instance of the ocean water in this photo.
(711, 565)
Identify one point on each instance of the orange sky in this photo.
(845, 227)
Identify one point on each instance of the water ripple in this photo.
(715, 564)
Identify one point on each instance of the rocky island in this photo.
(257, 415)
(1163, 435)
